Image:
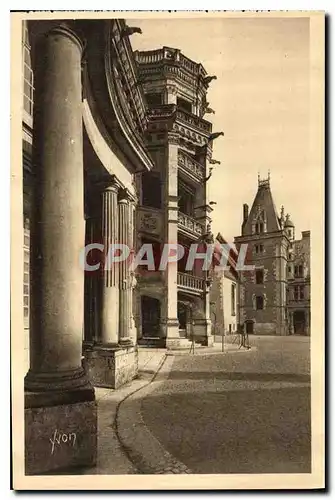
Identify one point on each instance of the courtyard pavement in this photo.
(218, 413)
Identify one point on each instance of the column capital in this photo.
(126, 196)
(111, 184)
(70, 30)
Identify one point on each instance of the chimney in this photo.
(245, 213)
(306, 234)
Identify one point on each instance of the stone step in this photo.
(151, 342)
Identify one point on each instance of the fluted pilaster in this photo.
(124, 271)
(110, 273)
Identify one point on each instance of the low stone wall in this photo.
(111, 366)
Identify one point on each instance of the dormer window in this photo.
(259, 224)
(259, 227)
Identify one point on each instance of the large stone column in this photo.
(110, 274)
(170, 321)
(59, 398)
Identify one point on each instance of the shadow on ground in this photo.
(247, 376)
(244, 431)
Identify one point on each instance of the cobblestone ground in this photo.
(237, 413)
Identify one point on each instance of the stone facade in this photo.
(84, 122)
(173, 304)
(226, 291)
(267, 305)
(115, 149)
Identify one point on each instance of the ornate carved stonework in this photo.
(191, 166)
(149, 221)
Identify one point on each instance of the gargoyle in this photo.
(130, 30)
(214, 162)
(208, 79)
(206, 107)
(209, 175)
(215, 135)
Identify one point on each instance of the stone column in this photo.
(110, 276)
(202, 324)
(56, 382)
(170, 321)
(113, 361)
(124, 270)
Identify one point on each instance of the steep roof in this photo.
(263, 202)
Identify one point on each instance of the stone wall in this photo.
(112, 367)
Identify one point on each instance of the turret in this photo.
(289, 228)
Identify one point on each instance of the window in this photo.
(26, 243)
(259, 276)
(184, 104)
(259, 227)
(186, 196)
(154, 100)
(233, 299)
(259, 302)
(299, 271)
(299, 292)
(256, 248)
(28, 86)
(151, 190)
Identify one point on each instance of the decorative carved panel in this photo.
(149, 221)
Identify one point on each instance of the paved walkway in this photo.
(236, 413)
(112, 457)
(125, 443)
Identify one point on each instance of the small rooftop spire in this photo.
(282, 212)
(265, 183)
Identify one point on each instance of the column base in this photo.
(111, 367)
(170, 331)
(60, 436)
(202, 332)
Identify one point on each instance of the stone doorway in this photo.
(299, 322)
(249, 327)
(151, 316)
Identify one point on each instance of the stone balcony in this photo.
(190, 167)
(167, 56)
(189, 283)
(193, 121)
(188, 125)
(190, 226)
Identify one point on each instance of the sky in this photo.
(261, 103)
